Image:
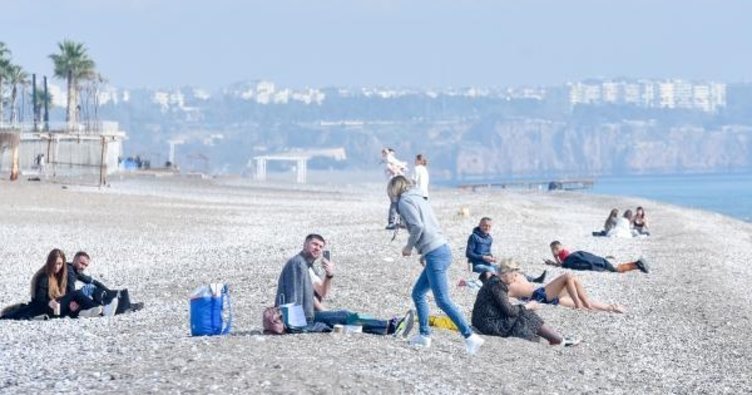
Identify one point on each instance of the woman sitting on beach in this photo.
(494, 315)
(640, 223)
(52, 295)
(565, 290)
(623, 226)
(611, 221)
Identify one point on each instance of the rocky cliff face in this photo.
(530, 147)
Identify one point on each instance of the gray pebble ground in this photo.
(687, 328)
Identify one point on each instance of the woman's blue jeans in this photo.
(434, 278)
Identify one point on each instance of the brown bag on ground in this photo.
(271, 319)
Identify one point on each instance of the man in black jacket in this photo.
(478, 252)
(117, 300)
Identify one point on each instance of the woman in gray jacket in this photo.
(426, 237)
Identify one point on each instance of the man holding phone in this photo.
(299, 283)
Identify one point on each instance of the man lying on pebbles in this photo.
(566, 290)
(583, 260)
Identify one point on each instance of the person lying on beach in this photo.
(52, 295)
(566, 290)
(300, 283)
(623, 227)
(494, 315)
(582, 260)
(119, 300)
(478, 252)
(640, 223)
(611, 221)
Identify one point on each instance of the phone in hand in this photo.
(327, 255)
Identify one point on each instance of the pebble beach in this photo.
(685, 329)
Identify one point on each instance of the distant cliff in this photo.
(531, 147)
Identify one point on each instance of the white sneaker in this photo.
(90, 313)
(111, 308)
(570, 341)
(473, 343)
(420, 341)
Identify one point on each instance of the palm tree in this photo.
(72, 64)
(4, 65)
(16, 76)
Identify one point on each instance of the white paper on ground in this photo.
(293, 315)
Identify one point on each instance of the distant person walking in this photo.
(421, 177)
(426, 237)
(392, 167)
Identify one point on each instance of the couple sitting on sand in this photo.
(54, 293)
(495, 315)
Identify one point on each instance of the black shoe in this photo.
(541, 278)
(642, 264)
(135, 307)
(391, 227)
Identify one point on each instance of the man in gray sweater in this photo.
(300, 283)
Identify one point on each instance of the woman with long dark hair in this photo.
(52, 295)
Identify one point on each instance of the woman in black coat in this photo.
(494, 315)
(52, 295)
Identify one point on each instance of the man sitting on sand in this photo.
(98, 292)
(478, 252)
(565, 290)
(300, 283)
(582, 260)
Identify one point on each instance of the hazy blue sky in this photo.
(434, 43)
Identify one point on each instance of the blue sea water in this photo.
(729, 194)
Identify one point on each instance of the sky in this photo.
(416, 43)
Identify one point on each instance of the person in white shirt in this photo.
(421, 175)
(623, 226)
(392, 167)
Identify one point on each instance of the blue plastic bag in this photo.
(208, 304)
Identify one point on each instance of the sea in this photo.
(726, 193)
(729, 194)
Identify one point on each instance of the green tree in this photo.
(17, 76)
(73, 65)
(4, 66)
